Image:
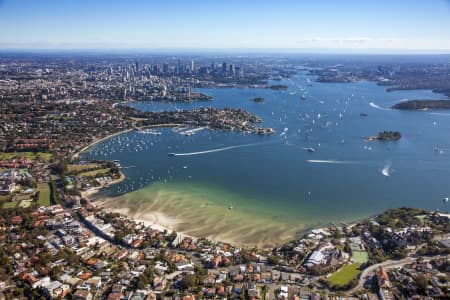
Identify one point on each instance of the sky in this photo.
(312, 25)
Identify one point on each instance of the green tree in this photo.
(421, 283)
(188, 282)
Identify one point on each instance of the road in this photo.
(387, 265)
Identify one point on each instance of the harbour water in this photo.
(316, 169)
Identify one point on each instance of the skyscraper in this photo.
(166, 69)
(224, 68)
(232, 71)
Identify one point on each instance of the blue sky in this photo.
(335, 25)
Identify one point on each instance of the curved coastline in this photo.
(189, 209)
(168, 212)
(96, 141)
(175, 216)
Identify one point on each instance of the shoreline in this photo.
(155, 220)
(122, 102)
(152, 220)
(99, 140)
(161, 125)
(96, 141)
(86, 194)
(159, 220)
(191, 213)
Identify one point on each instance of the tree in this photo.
(336, 234)
(188, 282)
(273, 260)
(245, 259)
(60, 167)
(421, 283)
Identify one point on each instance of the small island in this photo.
(422, 104)
(386, 136)
(258, 99)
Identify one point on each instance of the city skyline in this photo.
(323, 26)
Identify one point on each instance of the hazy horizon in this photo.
(228, 51)
(324, 26)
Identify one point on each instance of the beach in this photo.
(190, 210)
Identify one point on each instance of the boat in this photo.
(309, 149)
(439, 150)
(152, 131)
(192, 131)
(445, 200)
(363, 114)
(171, 154)
(148, 131)
(179, 129)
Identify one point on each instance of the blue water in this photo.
(276, 175)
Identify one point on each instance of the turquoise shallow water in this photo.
(273, 177)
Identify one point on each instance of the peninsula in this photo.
(228, 119)
(422, 104)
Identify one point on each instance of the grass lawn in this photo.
(12, 204)
(4, 197)
(20, 197)
(29, 155)
(360, 256)
(25, 203)
(344, 275)
(44, 194)
(80, 168)
(95, 172)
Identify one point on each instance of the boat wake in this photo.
(213, 150)
(386, 171)
(439, 114)
(374, 105)
(320, 161)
